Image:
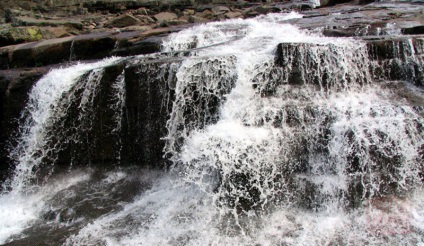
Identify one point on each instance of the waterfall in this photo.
(43, 110)
(43, 134)
(274, 135)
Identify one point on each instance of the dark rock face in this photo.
(148, 88)
(398, 59)
(88, 128)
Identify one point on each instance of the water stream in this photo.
(277, 136)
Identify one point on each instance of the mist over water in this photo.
(302, 149)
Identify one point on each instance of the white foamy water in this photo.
(19, 211)
(300, 150)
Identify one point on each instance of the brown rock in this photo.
(233, 15)
(207, 14)
(185, 18)
(145, 19)
(165, 16)
(123, 21)
(197, 19)
(57, 32)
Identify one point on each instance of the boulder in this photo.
(140, 11)
(189, 12)
(339, 32)
(219, 10)
(165, 16)
(123, 21)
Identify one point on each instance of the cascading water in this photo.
(45, 108)
(39, 143)
(276, 136)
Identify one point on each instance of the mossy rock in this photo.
(17, 35)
